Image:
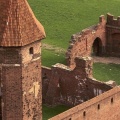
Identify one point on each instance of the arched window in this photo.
(98, 106)
(31, 50)
(111, 100)
(84, 113)
(97, 47)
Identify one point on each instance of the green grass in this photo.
(49, 112)
(105, 72)
(50, 58)
(62, 18)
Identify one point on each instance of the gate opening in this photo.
(97, 47)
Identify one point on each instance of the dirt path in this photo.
(107, 60)
(53, 48)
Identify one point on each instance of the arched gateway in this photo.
(96, 47)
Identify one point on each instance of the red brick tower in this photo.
(20, 64)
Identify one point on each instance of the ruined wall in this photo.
(72, 87)
(81, 43)
(46, 74)
(103, 107)
(20, 72)
(113, 35)
(108, 33)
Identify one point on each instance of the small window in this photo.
(70, 118)
(86, 86)
(111, 100)
(31, 50)
(98, 106)
(84, 113)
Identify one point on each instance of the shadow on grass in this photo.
(49, 112)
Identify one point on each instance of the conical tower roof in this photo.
(18, 25)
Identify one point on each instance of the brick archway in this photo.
(96, 47)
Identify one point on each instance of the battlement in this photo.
(112, 21)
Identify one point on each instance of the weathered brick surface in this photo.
(103, 107)
(81, 43)
(21, 81)
(46, 73)
(72, 87)
(11, 93)
(113, 35)
(31, 87)
(26, 57)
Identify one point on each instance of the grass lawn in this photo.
(50, 58)
(62, 18)
(49, 112)
(105, 72)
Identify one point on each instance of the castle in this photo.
(74, 85)
(20, 69)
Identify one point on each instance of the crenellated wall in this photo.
(112, 21)
(113, 36)
(63, 85)
(103, 107)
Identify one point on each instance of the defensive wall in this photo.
(81, 43)
(74, 84)
(63, 85)
(103, 107)
(101, 39)
(113, 35)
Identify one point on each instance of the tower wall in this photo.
(31, 82)
(113, 35)
(11, 72)
(21, 82)
(11, 92)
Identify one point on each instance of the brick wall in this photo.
(11, 93)
(31, 81)
(108, 33)
(81, 43)
(20, 71)
(71, 86)
(46, 73)
(103, 107)
(113, 35)
(31, 88)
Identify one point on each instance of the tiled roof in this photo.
(18, 25)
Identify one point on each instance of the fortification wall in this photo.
(113, 36)
(46, 75)
(81, 43)
(103, 107)
(108, 33)
(71, 87)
